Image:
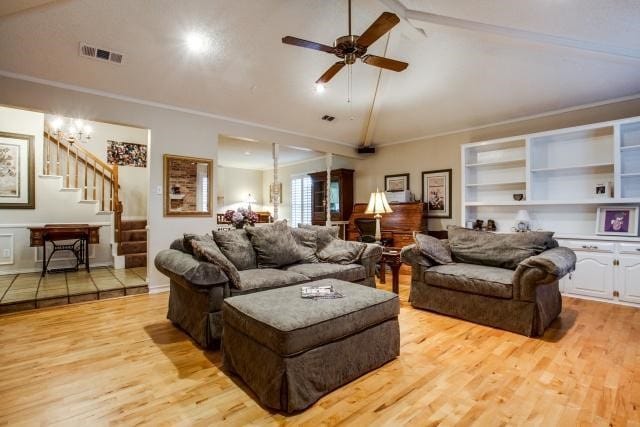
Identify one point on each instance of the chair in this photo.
(367, 230)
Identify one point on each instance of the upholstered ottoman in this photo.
(291, 351)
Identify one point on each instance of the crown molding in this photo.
(515, 120)
(139, 101)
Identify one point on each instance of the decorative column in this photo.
(276, 188)
(329, 161)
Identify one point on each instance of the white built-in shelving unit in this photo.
(557, 172)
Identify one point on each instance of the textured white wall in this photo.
(235, 185)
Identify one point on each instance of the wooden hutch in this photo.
(340, 200)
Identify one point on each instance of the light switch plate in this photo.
(159, 190)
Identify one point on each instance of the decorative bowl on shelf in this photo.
(518, 197)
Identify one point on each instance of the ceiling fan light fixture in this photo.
(320, 88)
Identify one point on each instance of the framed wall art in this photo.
(617, 221)
(436, 192)
(126, 154)
(398, 182)
(17, 171)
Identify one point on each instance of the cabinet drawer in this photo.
(630, 248)
(589, 245)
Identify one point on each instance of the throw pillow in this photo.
(190, 237)
(210, 252)
(307, 241)
(435, 250)
(342, 252)
(274, 245)
(325, 234)
(497, 250)
(236, 246)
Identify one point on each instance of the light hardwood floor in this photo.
(121, 361)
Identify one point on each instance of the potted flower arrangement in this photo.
(241, 217)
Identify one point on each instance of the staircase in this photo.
(97, 183)
(133, 243)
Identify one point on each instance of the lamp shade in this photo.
(378, 204)
(523, 216)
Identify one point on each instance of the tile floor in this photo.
(28, 290)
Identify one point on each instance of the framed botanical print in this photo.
(399, 182)
(17, 171)
(436, 192)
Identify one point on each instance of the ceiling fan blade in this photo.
(384, 23)
(386, 63)
(332, 71)
(305, 43)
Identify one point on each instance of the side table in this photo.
(391, 257)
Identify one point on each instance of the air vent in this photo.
(328, 118)
(93, 52)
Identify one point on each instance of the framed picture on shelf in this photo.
(604, 190)
(617, 221)
(17, 171)
(436, 192)
(399, 182)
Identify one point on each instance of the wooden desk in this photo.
(406, 219)
(83, 234)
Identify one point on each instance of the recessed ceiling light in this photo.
(197, 42)
(320, 88)
(247, 153)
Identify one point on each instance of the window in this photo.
(300, 200)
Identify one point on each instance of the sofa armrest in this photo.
(183, 266)
(411, 255)
(370, 257)
(543, 269)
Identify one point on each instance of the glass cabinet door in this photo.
(334, 197)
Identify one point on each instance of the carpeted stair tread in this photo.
(134, 235)
(133, 225)
(134, 247)
(135, 260)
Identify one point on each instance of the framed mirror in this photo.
(187, 186)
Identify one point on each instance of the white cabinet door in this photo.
(593, 276)
(628, 278)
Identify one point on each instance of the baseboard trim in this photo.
(157, 289)
(39, 269)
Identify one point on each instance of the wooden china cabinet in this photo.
(340, 199)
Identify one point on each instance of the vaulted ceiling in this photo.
(459, 76)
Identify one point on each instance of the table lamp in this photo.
(250, 199)
(523, 220)
(378, 205)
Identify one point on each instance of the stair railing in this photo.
(82, 169)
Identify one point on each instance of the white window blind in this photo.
(300, 200)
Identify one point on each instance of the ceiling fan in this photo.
(351, 47)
